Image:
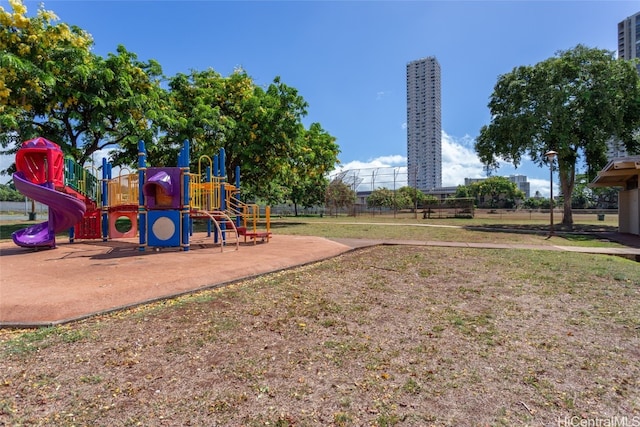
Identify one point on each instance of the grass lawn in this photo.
(383, 336)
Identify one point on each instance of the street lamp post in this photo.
(550, 155)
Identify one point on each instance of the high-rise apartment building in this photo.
(629, 38)
(424, 124)
(628, 48)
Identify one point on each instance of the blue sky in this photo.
(348, 58)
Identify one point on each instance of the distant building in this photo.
(615, 149)
(628, 48)
(522, 183)
(629, 38)
(519, 180)
(442, 193)
(424, 124)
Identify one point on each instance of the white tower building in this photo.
(424, 124)
(628, 48)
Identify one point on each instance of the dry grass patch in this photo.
(383, 336)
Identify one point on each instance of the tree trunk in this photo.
(567, 216)
(567, 182)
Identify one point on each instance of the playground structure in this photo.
(159, 204)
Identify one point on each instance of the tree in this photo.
(499, 191)
(494, 191)
(339, 195)
(410, 197)
(308, 193)
(260, 130)
(315, 156)
(34, 53)
(536, 203)
(381, 198)
(404, 198)
(10, 194)
(189, 111)
(573, 104)
(103, 103)
(407, 198)
(462, 191)
(51, 85)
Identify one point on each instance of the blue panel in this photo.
(163, 228)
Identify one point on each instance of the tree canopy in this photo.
(382, 198)
(34, 52)
(339, 195)
(52, 85)
(572, 103)
(10, 194)
(492, 192)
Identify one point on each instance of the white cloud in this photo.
(459, 161)
(379, 162)
(542, 186)
(105, 154)
(393, 160)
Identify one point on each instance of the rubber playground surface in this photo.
(74, 281)
(79, 280)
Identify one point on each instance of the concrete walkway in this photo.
(630, 250)
(79, 280)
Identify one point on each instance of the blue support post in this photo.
(186, 208)
(142, 210)
(223, 191)
(209, 202)
(223, 165)
(216, 171)
(104, 202)
(223, 207)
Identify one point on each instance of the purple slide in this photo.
(65, 211)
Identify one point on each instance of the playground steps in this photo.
(254, 235)
(225, 227)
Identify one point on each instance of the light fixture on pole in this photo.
(550, 155)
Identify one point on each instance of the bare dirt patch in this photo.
(382, 336)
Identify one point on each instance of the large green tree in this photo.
(496, 191)
(339, 195)
(410, 197)
(34, 53)
(10, 194)
(189, 111)
(260, 129)
(492, 192)
(53, 86)
(267, 138)
(572, 103)
(104, 103)
(382, 198)
(314, 158)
